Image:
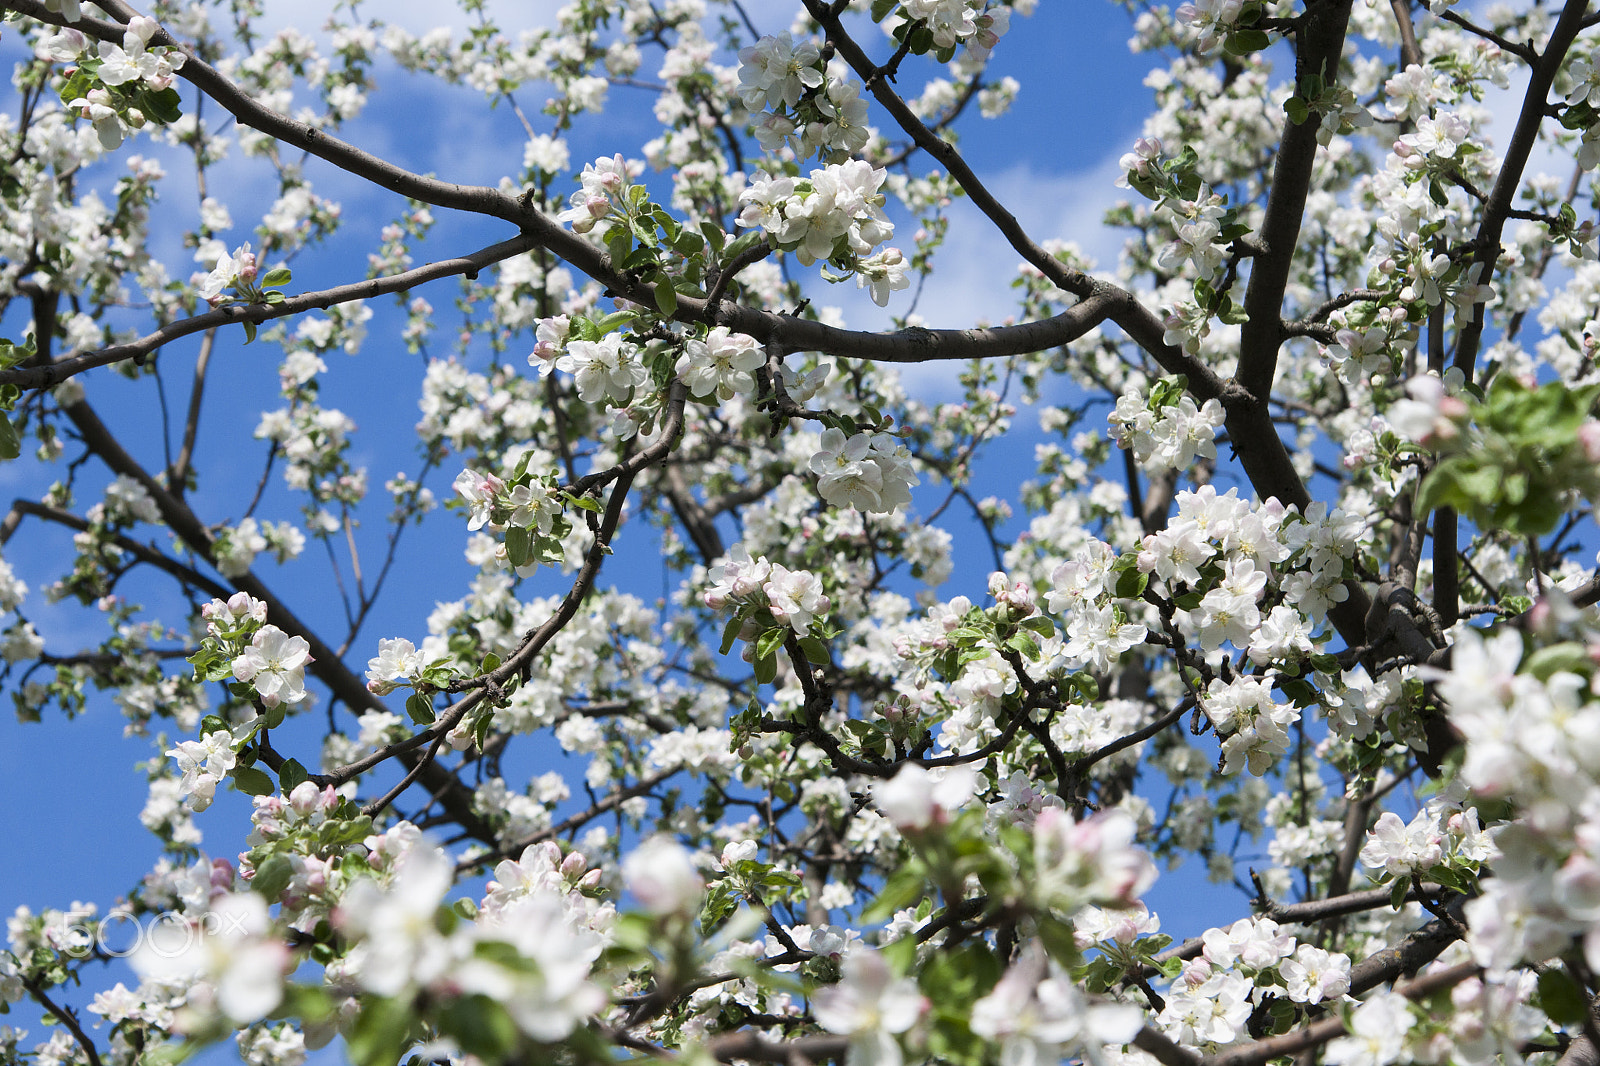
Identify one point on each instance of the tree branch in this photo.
(1320, 40)
(43, 377)
(1523, 138)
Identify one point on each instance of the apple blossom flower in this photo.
(871, 1006)
(795, 597)
(606, 369)
(231, 960)
(722, 365)
(736, 577)
(917, 798)
(274, 664)
(480, 491)
(1378, 1028)
(1093, 861)
(775, 72)
(396, 659)
(1314, 975)
(1039, 1015)
(204, 763)
(661, 876)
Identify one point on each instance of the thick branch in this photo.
(752, 1047)
(1320, 40)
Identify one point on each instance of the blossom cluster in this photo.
(972, 23)
(608, 369)
(118, 84)
(399, 951)
(241, 644)
(870, 472)
(835, 215)
(1166, 435)
(800, 100)
(603, 191)
(1529, 736)
(1212, 999)
(721, 365)
(794, 597)
(892, 738)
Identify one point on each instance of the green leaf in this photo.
(382, 1031)
(252, 782)
(613, 322)
(290, 774)
(480, 1025)
(730, 633)
(420, 708)
(1024, 644)
(816, 651)
(743, 243)
(1243, 42)
(1040, 624)
(249, 331)
(766, 668)
(881, 9)
(1561, 998)
(666, 296)
(903, 888)
(720, 903)
(77, 86)
(645, 235)
(162, 106)
(770, 641)
(583, 503)
(519, 546)
(688, 243)
(1566, 656)
(1060, 942)
(714, 235)
(1397, 892)
(277, 276)
(618, 243)
(10, 441)
(272, 876)
(1131, 584)
(1083, 683)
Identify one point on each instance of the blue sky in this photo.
(69, 796)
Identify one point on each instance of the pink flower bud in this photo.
(1589, 438)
